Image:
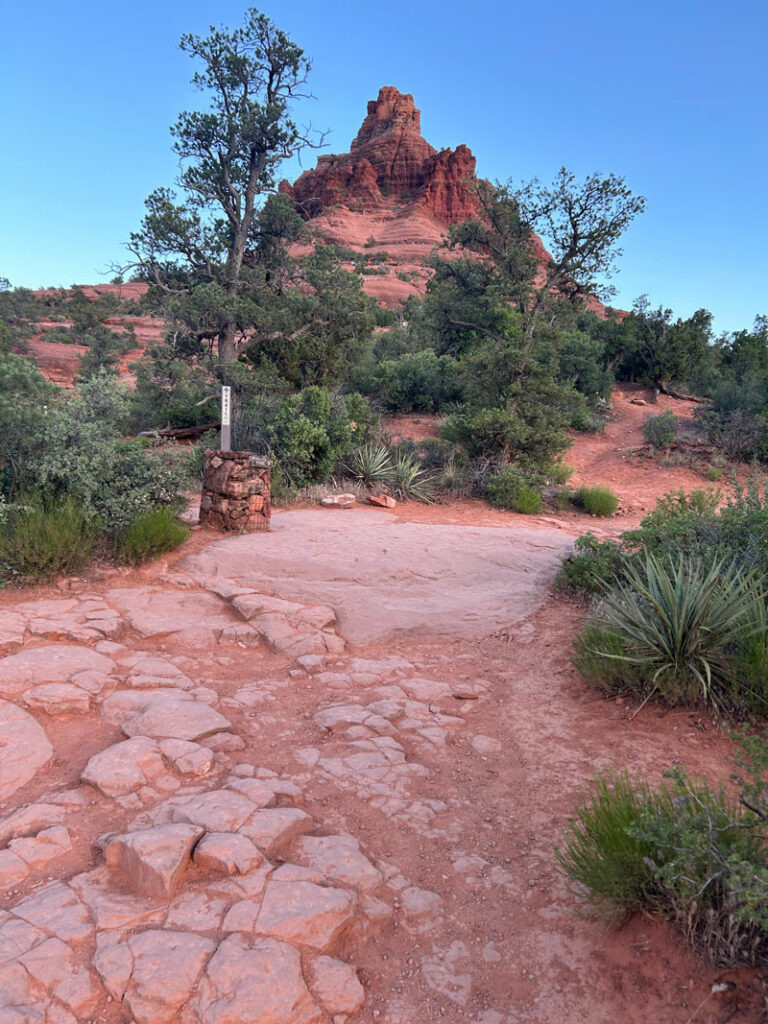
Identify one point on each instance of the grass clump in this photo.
(714, 473)
(150, 535)
(692, 853)
(41, 538)
(597, 501)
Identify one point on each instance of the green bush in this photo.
(503, 488)
(592, 566)
(152, 534)
(661, 431)
(308, 434)
(597, 501)
(674, 628)
(415, 382)
(40, 538)
(528, 501)
(714, 473)
(606, 862)
(693, 853)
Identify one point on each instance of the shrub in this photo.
(504, 486)
(415, 382)
(608, 865)
(691, 852)
(528, 501)
(597, 501)
(150, 535)
(714, 473)
(409, 480)
(593, 565)
(41, 538)
(661, 431)
(677, 626)
(371, 464)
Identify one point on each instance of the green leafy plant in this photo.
(661, 431)
(371, 464)
(152, 534)
(691, 852)
(597, 501)
(678, 623)
(41, 538)
(593, 564)
(608, 865)
(528, 501)
(714, 473)
(409, 480)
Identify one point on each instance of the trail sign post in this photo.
(226, 419)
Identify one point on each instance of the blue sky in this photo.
(672, 95)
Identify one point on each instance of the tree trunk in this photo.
(227, 344)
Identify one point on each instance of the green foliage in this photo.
(686, 850)
(172, 391)
(152, 534)
(308, 434)
(25, 398)
(512, 490)
(82, 454)
(679, 625)
(529, 429)
(415, 382)
(714, 473)
(597, 501)
(608, 865)
(42, 537)
(409, 480)
(371, 464)
(594, 564)
(661, 431)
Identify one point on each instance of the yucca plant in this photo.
(409, 480)
(371, 464)
(679, 622)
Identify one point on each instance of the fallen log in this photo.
(180, 433)
(666, 390)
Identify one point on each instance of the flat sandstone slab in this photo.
(382, 576)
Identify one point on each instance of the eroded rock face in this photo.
(390, 158)
(24, 748)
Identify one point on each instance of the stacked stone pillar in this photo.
(236, 492)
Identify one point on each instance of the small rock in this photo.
(304, 912)
(382, 500)
(156, 859)
(486, 745)
(336, 985)
(226, 853)
(339, 501)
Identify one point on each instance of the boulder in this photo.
(258, 979)
(338, 501)
(24, 748)
(155, 859)
(305, 913)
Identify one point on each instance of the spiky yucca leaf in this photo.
(681, 621)
(410, 481)
(371, 464)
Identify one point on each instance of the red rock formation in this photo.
(388, 160)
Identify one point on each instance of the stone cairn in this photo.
(236, 491)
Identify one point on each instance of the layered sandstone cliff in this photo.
(390, 160)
